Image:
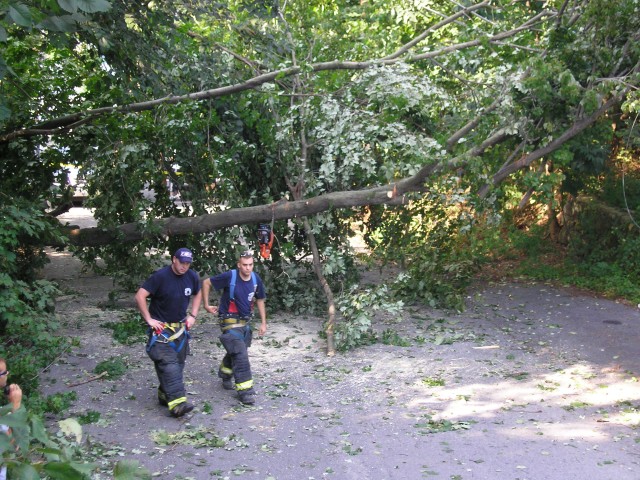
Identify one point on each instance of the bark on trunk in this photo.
(281, 210)
(317, 267)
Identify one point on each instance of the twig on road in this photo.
(88, 380)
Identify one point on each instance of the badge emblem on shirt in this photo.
(187, 292)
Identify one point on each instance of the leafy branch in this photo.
(66, 123)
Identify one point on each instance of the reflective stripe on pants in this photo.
(169, 366)
(236, 359)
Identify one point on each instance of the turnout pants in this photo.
(235, 363)
(169, 366)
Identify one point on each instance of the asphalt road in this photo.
(530, 382)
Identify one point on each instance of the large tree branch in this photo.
(408, 46)
(281, 210)
(473, 123)
(474, 43)
(578, 127)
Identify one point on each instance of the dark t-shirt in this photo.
(243, 293)
(170, 293)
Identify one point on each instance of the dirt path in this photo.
(529, 383)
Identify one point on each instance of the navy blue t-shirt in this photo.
(170, 293)
(243, 293)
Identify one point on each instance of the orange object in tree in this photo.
(265, 239)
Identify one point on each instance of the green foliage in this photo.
(603, 254)
(530, 241)
(391, 337)
(27, 322)
(446, 332)
(60, 402)
(433, 382)
(431, 238)
(130, 329)
(130, 470)
(436, 279)
(60, 16)
(35, 453)
(605, 278)
(430, 425)
(114, 366)
(606, 242)
(294, 290)
(325, 130)
(54, 404)
(90, 416)
(201, 437)
(620, 183)
(357, 308)
(24, 229)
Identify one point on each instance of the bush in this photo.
(605, 238)
(33, 453)
(295, 291)
(27, 322)
(432, 241)
(603, 254)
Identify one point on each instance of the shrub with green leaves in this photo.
(60, 402)
(603, 253)
(432, 242)
(27, 321)
(606, 244)
(294, 291)
(33, 453)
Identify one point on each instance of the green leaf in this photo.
(24, 472)
(70, 6)
(63, 471)
(5, 444)
(39, 432)
(64, 23)
(16, 419)
(130, 470)
(93, 6)
(20, 14)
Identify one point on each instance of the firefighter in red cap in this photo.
(242, 288)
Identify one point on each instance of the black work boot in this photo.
(227, 384)
(247, 397)
(181, 409)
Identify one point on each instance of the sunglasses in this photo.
(246, 254)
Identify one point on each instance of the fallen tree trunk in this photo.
(281, 210)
